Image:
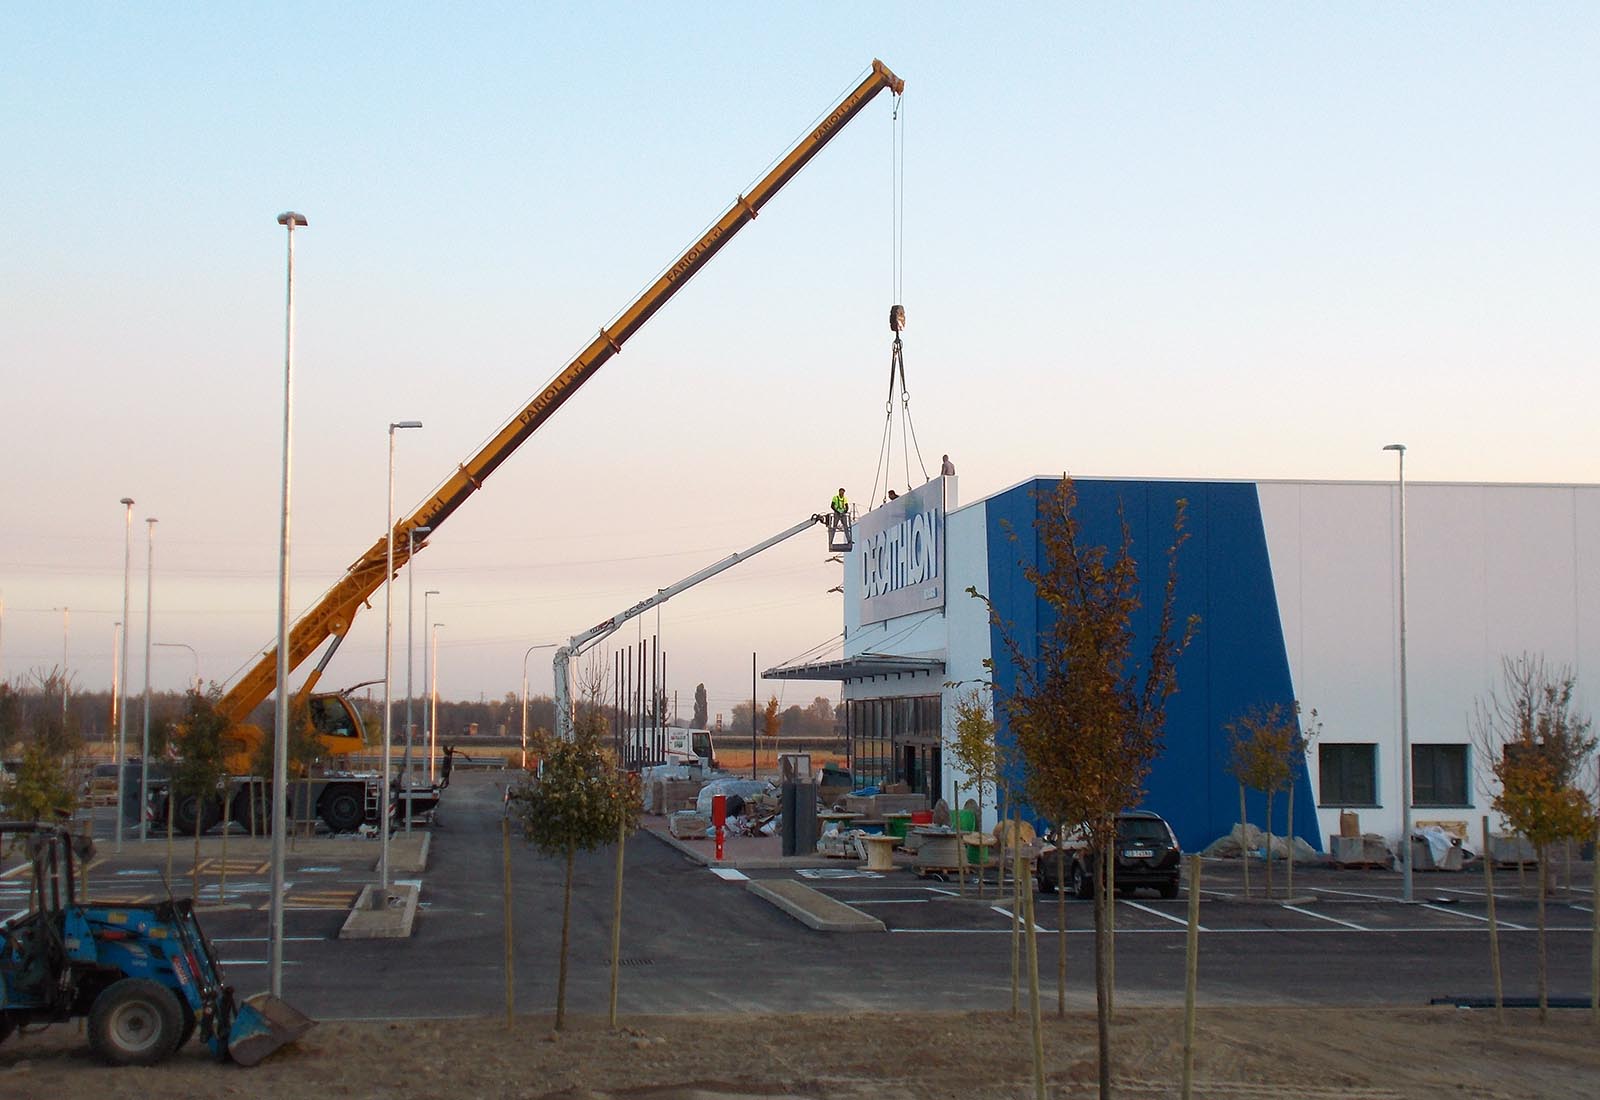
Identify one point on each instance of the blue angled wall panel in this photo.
(1237, 658)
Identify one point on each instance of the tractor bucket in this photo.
(262, 1024)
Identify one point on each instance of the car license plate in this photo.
(1137, 853)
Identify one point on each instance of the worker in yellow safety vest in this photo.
(841, 509)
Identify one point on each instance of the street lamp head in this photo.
(421, 530)
(404, 424)
(150, 519)
(291, 219)
(1401, 447)
(128, 501)
(431, 592)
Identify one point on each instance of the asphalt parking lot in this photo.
(694, 940)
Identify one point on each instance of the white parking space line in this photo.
(1352, 925)
(1158, 913)
(1009, 915)
(1473, 916)
(1583, 909)
(1355, 894)
(889, 901)
(264, 939)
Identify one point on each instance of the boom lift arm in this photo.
(332, 615)
(580, 642)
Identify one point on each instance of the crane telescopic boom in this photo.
(579, 642)
(332, 615)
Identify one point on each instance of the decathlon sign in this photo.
(900, 552)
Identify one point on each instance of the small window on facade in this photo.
(1439, 775)
(1347, 775)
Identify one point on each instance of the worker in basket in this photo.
(841, 511)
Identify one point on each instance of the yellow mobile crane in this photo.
(335, 720)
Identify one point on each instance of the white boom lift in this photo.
(839, 538)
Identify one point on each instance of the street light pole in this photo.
(1405, 730)
(122, 708)
(542, 645)
(411, 618)
(388, 665)
(280, 744)
(433, 724)
(149, 603)
(184, 645)
(427, 719)
(66, 620)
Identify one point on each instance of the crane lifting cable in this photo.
(884, 472)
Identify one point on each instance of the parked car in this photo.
(1148, 855)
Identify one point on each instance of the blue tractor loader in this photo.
(145, 977)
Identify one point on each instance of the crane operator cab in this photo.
(840, 522)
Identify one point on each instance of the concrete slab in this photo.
(408, 855)
(813, 908)
(392, 921)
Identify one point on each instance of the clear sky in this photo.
(1255, 240)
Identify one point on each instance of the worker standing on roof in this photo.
(948, 469)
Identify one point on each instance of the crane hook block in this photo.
(897, 318)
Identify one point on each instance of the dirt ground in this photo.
(1320, 1054)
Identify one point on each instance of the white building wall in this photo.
(1493, 571)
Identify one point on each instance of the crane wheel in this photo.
(342, 809)
(135, 1022)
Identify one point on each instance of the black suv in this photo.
(1147, 855)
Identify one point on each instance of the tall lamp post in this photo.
(427, 718)
(411, 618)
(280, 744)
(184, 645)
(66, 622)
(149, 603)
(122, 708)
(433, 703)
(542, 645)
(1405, 729)
(388, 666)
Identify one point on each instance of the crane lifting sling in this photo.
(330, 618)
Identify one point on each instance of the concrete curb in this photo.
(702, 856)
(394, 921)
(813, 908)
(408, 856)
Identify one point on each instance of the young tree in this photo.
(771, 723)
(581, 800)
(43, 786)
(1087, 713)
(200, 770)
(973, 748)
(701, 708)
(1536, 746)
(1262, 743)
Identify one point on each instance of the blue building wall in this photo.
(1236, 660)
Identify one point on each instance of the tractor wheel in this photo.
(135, 1022)
(342, 809)
(185, 1032)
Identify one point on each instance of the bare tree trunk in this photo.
(1016, 917)
(227, 827)
(1061, 921)
(1033, 1001)
(1288, 839)
(1543, 852)
(1111, 928)
(1244, 844)
(194, 868)
(1102, 982)
(171, 798)
(511, 981)
(1191, 976)
(566, 940)
(616, 921)
(1494, 928)
(1266, 849)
